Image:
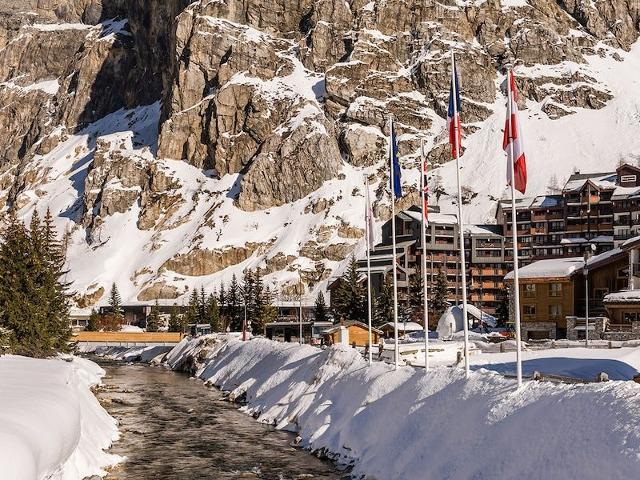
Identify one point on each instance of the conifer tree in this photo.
(93, 325)
(202, 306)
(153, 320)
(213, 313)
(321, 308)
(383, 305)
(222, 305)
(175, 324)
(115, 302)
(55, 290)
(350, 298)
(267, 313)
(233, 305)
(34, 312)
(439, 294)
(416, 298)
(502, 311)
(248, 292)
(193, 308)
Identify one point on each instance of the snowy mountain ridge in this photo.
(180, 143)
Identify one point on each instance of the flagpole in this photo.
(514, 235)
(463, 262)
(368, 234)
(423, 239)
(393, 236)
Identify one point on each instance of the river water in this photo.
(173, 428)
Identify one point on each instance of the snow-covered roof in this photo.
(603, 258)
(443, 218)
(546, 201)
(625, 296)
(630, 242)
(625, 192)
(555, 268)
(404, 326)
(521, 203)
(600, 180)
(491, 230)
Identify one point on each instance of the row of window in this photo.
(555, 310)
(531, 289)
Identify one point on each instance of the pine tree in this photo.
(350, 298)
(439, 294)
(222, 305)
(34, 311)
(416, 298)
(193, 308)
(175, 323)
(502, 311)
(248, 293)
(93, 325)
(202, 306)
(233, 305)
(213, 313)
(268, 313)
(261, 298)
(321, 308)
(115, 302)
(153, 320)
(55, 290)
(383, 305)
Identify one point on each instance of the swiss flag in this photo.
(512, 142)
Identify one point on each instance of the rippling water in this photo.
(172, 427)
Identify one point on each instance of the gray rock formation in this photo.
(285, 94)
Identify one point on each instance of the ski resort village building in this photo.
(595, 213)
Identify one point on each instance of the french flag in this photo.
(453, 114)
(512, 142)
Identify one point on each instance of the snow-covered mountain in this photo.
(179, 142)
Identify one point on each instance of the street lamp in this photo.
(587, 255)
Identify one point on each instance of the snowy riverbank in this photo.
(405, 424)
(51, 425)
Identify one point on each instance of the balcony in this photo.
(624, 236)
(544, 216)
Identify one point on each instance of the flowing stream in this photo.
(173, 428)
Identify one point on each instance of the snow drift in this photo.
(51, 425)
(405, 424)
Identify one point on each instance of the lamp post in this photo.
(587, 256)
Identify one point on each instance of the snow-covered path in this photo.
(51, 425)
(407, 425)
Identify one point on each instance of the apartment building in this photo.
(600, 209)
(484, 249)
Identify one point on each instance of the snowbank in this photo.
(146, 354)
(405, 424)
(51, 425)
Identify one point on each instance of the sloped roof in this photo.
(600, 180)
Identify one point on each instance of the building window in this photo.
(555, 311)
(555, 289)
(529, 309)
(627, 178)
(529, 289)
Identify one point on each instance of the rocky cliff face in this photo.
(185, 140)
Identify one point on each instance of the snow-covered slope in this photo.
(183, 143)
